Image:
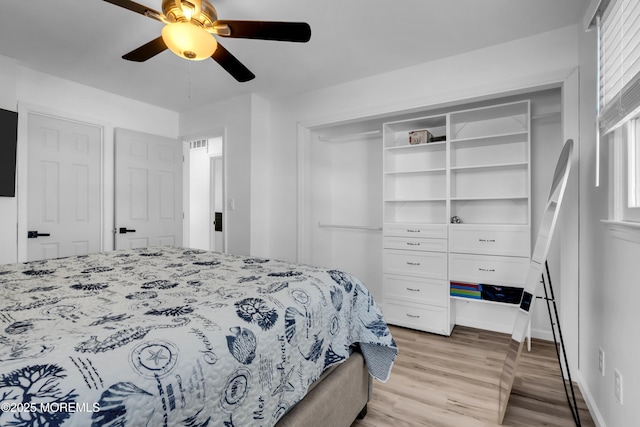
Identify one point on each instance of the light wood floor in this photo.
(453, 381)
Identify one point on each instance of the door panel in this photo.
(148, 190)
(63, 187)
(138, 192)
(167, 200)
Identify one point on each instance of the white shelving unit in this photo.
(491, 194)
(415, 216)
(481, 174)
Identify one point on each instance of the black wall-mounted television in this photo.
(8, 146)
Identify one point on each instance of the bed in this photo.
(172, 336)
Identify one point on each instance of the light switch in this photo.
(231, 203)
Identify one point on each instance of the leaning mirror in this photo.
(534, 275)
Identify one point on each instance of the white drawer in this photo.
(415, 244)
(414, 263)
(488, 269)
(432, 231)
(422, 317)
(494, 240)
(421, 290)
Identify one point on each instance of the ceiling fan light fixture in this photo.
(189, 41)
(189, 8)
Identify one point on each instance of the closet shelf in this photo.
(504, 138)
(359, 135)
(429, 199)
(547, 115)
(485, 301)
(464, 199)
(439, 145)
(416, 171)
(495, 166)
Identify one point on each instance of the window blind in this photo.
(619, 63)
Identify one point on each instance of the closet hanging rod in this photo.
(349, 136)
(354, 227)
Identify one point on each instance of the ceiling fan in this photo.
(190, 26)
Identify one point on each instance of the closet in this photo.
(343, 195)
(423, 206)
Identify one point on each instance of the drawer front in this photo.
(488, 270)
(413, 289)
(511, 241)
(416, 316)
(413, 263)
(415, 244)
(416, 230)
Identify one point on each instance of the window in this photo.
(619, 100)
(633, 154)
(631, 208)
(619, 71)
(626, 170)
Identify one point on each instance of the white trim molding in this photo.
(106, 133)
(590, 401)
(625, 230)
(595, 7)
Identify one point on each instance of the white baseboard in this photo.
(542, 334)
(489, 326)
(588, 399)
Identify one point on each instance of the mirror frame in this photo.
(534, 276)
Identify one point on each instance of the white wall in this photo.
(261, 192)
(200, 199)
(203, 169)
(217, 172)
(43, 93)
(232, 118)
(609, 274)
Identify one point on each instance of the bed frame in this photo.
(336, 399)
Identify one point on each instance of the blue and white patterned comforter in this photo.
(175, 337)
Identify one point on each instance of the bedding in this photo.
(175, 337)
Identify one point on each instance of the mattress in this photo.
(175, 337)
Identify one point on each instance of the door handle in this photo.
(35, 234)
(124, 230)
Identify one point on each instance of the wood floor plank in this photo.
(453, 382)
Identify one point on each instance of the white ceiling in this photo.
(83, 41)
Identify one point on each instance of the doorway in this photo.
(205, 212)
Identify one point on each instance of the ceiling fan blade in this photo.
(268, 30)
(146, 51)
(234, 67)
(136, 7)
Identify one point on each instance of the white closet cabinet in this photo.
(455, 210)
(415, 216)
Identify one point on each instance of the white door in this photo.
(64, 201)
(148, 190)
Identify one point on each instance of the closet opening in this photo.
(345, 206)
(204, 207)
